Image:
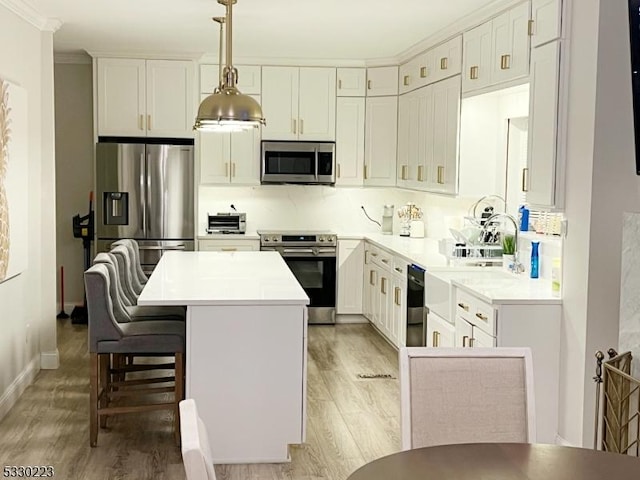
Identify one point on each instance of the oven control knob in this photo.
(321, 239)
(266, 239)
(274, 239)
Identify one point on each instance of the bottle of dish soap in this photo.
(524, 218)
(535, 262)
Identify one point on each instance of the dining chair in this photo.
(110, 338)
(134, 253)
(466, 395)
(196, 451)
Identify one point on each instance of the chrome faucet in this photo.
(517, 266)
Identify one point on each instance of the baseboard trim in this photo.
(356, 318)
(50, 360)
(18, 386)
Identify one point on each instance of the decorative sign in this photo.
(13, 180)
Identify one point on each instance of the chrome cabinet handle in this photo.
(463, 306)
(158, 247)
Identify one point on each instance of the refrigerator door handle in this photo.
(142, 199)
(160, 247)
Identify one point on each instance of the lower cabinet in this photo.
(535, 325)
(350, 277)
(226, 245)
(440, 333)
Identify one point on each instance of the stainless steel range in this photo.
(311, 256)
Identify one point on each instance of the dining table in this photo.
(501, 461)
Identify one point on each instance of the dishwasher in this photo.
(416, 311)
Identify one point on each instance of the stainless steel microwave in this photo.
(299, 162)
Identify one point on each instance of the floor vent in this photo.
(368, 376)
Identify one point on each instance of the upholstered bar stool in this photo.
(134, 253)
(109, 336)
(132, 287)
(122, 304)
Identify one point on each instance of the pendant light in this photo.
(227, 109)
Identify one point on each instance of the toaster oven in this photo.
(227, 223)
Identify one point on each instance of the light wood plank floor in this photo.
(350, 422)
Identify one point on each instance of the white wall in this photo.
(315, 207)
(74, 168)
(600, 185)
(27, 302)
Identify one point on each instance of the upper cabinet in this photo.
(299, 103)
(381, 130)
(248, 78)
(510, 44)
(546, 21)
(447, 58)
(497, 52)
(352, 82)
(382, 81)
(350, 118)
(145, 97)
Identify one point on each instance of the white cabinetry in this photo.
(535, 325)
(350, 121)
(352, 82)
(382, 81)
(447, 59)
(546, 21)
(145, 97)
(299, 103)
(540, 180)
(409, 138)
(442, 174)
(381, 131)
(510, 47)
(248, 79)
(350, 276)
(228, 245)
(477, 58)
(440, 333)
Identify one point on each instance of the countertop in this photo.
(231, 237)
(222, 278)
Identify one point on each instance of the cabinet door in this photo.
(369, 284)
(384, 320)
(121, 97)
(317, 104)
(350, 276)
(381, 130)
(280, 103)
(425, 139)
(476, 63)
(539, 178)
(350, 115)
(447, 59)
(409, 76)
(352, 82)
(482, 340)
(245, 157)
(464, 332)
(425, 68)
(248, 79)
(446, 123)
(440, 333)
(215, 154)
(382, 81)
(398, 311)
(170, 98)
(408, 139)
(546, 17)
(510, 50)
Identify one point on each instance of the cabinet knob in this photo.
(407, 80)
(505, 62)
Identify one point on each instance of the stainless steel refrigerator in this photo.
(145, 192)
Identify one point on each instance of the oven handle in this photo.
(315, 150)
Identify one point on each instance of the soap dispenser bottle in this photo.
(535, 260)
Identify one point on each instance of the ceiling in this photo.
(310, 29)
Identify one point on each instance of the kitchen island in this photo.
(246, 348)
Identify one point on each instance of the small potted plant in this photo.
(508, 251)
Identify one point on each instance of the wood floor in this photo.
(350, 421)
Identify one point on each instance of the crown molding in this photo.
(146, 55)
(473, 19)
(77, 58)
(209, 58)
(30, 14)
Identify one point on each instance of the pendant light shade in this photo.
(227, 109)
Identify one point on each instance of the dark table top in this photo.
(500, 461)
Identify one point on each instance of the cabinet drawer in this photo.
(400, 266)
(381, 258)
(480, 314)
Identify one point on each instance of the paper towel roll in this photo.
(417, 229)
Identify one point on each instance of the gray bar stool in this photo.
(107, 336)
(122, 305)
(134, 253)
(132, 286)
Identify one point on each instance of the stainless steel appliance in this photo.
(227, 223)
(298, 162)
(145, 192)
(311, 256)
(416, 311)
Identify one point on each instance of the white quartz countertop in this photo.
(222, 278)
(495, 286)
